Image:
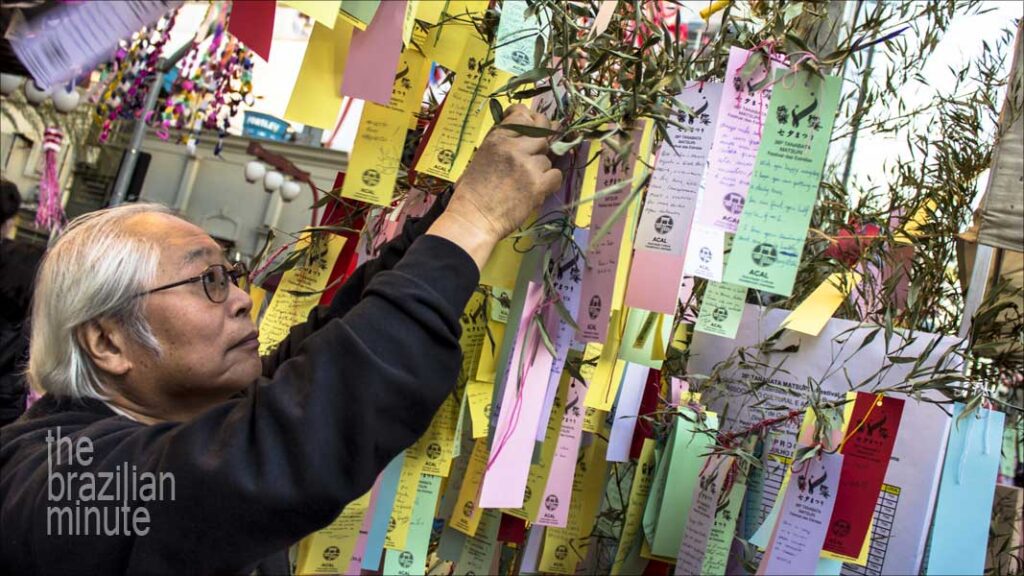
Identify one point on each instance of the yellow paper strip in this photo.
(814, 312)
(487, 368)
(466, 515)
(377, 152)
(258, 296)
(479, 395)
(642, 478)
(602, 388)
(452, 141)
(316, 98)
(588, 187)
(438, 440)
(340, 534)
(503, 265)
(287, 309)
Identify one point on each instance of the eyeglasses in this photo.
(216, 281)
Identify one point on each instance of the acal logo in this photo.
(520, 57)
(331, 553)
(445, 156)
(527, 495)
(733, 203)
(467, 509)
(764, 254)
(663, 224)
(371, 177)
(841, 528)
(551, 502)
(434, 451)
(391, 524)
(487, 410)
(705, 254)
(719, 314)
(594, 310)
(561, 552)
(405, 559)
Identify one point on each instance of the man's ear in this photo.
(105, 342)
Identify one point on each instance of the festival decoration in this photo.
(50, 212)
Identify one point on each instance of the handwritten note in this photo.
(517, 36)
(299, 291)
(554, 509)
(770, 240)
(700, 521)
(340, 535)
(478, 552)
(723, 530)
(722, 309)
(405, 499)
(737, 137)
(451, 143)
(377, 151)
(803, 517)
(412, 558)
(603, 255)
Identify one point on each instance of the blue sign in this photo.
(261, 125)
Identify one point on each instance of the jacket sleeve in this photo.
(256, 474)
(352, 289)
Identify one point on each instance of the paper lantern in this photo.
(34, 94)
(272, 181)
(66, 100)
(290, 190)
(9, 83)
(255, 170)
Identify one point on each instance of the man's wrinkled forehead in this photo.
(181, 243)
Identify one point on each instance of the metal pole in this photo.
(131, 156)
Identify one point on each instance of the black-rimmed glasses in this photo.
(216, 279)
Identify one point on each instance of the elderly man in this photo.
(144, 457)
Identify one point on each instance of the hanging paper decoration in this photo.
(50, 213)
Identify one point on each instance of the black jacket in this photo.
(342, 395)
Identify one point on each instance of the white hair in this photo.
(95, 269)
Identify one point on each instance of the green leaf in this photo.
(530, 131)
(496, 111)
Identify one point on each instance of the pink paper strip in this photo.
(741, 116)
(554, 509)
(373, 55)
(504, 484)
(602, 258)
(671, 201)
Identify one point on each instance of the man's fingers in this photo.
(516, 109)
(540, 162)
(551, 180)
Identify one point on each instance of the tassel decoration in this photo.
(50, 213)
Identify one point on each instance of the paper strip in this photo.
(701, 519)
(817, 309)
(770, 239)
(405, 499)
(505, 481)
(554, 510)
(412, 559)
(627, 556)
(803, 518)
(466, 514)
(374, 55)
(253, 24)
(381, 513)
(665, 223)
(624, 424)
(722, 309)
(963, 512)
(315, 99)
(737, 138)
(517, 34)
(377, 151)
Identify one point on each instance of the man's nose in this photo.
(239, 303)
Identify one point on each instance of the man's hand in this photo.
(508, 179)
